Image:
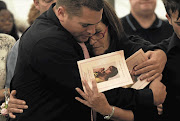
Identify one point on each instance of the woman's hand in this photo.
(15, 105)
(93, 99)
(153, 67)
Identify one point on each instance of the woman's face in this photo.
(99, 46)
(6, 21)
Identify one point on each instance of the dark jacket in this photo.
(171, 80)
(157, 32)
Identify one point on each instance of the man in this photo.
(46, 73)
(143, 21)
(171, 72)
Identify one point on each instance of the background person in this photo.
(41, 6)
(6, 42)
(7, 23)
(171, 71)
(143, 21)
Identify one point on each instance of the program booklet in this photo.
(133, 61)
(112, 70)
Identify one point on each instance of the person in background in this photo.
(3, 5)
(143, 21)
(33, 14)
(171, 71)
(111, 20)
(7, 23)
(41, 6)
(6, 43)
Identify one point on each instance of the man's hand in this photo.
(15, 105)
(153, 67)
(159, 90)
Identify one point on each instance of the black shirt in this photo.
(158, 31)
(172, 81)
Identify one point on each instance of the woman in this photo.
(110, 37)
(6, 43)
(7, 23)
(116, 40)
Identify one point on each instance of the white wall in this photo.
(20, 8)
(122, 8)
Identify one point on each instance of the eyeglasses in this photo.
(98, 36)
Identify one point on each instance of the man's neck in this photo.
(144, 20)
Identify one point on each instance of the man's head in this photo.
(143, 7)
(43, 5)
(173, 14)
(79, 17)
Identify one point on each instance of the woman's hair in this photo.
(3, 5)
(115, 29)
(73, 7)
(33, 14)
(172, 6)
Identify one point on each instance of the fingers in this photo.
(94, 87)
(11, 115)
(159, 78)
(88, 89)
(15, 105)
(13, 93)
(145, 69)
(143, 64)
(160, 109)
(150, 76)
(82, 93)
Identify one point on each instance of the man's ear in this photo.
(168, 18)
(36, 4)
(61, 13)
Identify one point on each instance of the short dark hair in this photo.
(2, 5)
(73, 7)
(113, 73)
(172, 6)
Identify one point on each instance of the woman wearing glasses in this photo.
(110, 37)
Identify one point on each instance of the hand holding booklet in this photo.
(112, 70)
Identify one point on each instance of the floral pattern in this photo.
(6, 43)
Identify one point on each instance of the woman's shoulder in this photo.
(6, 41)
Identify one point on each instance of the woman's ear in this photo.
(168, 18)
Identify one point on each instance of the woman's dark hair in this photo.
(115, 29)
(2, 5)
